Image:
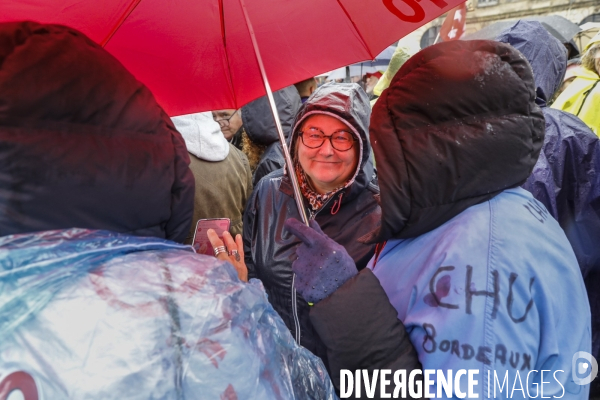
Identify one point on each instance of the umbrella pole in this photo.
(286, 153)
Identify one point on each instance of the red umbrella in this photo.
(198, 55)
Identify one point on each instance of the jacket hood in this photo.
(458, 125)
(97, 90)
(84, 143)
(585, 73)
(402, 53)
(546, 54)
(593, 41)
(257, 117)
(349, 103)
(203, 136)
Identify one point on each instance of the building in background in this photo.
(484, 12)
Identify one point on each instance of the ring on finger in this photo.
(235, 254)
(219, 250)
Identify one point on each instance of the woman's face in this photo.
(326, 167)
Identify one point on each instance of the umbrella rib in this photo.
(356, 30)
(128, 11)
(224, 37)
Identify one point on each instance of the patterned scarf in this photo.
(315, 199)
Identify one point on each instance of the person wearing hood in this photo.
(403, 52)
(582, 96)
(261, 132)
(330, 150)
(479, 275)
(566, 176)
(84, 143)
(221, 172)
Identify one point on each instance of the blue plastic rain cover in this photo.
(98, 315)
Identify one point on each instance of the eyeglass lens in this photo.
(224, 121)
(340, 140)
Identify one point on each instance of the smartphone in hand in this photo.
(200, 242)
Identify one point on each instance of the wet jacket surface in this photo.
(269, 249)
(457, 228)
(83, 143)
(566, 176)
(497, 289)
(260, 127)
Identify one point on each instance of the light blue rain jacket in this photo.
(497, 289)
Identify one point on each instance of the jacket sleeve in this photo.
(182, 193)
(563, 180)
(249, 231)
(361, 330)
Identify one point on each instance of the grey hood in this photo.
(203, 136)
(258, 119)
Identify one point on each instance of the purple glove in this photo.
(322, 265)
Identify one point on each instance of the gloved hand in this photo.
(322, 265)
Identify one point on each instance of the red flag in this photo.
(454, 24)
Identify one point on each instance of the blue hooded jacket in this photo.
(565, 178)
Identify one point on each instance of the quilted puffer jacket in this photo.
(83, 143)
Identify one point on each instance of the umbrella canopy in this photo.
(560, 27)
(588, 31)
(382, 59)
(197, 55)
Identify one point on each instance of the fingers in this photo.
(214, 239)
(315, 225)
(229, 243)
(215, 242)
(303, 232)
(239, 242)
(231, 246)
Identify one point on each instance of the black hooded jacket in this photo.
(83, 143)
(258, 122)
(457, 126)
(270, 250)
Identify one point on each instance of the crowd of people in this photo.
(453, 212)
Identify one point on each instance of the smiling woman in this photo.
(325, 163)
(331, 156)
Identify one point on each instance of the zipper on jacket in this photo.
(295, 310)
(313, 215)
(586, 94)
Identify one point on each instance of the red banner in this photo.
(454, 24)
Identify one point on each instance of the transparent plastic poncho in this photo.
(98, 315)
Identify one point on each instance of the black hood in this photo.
(546, 54)
(457, 126)
(257, 116)
(83, 142)
(349, 103)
